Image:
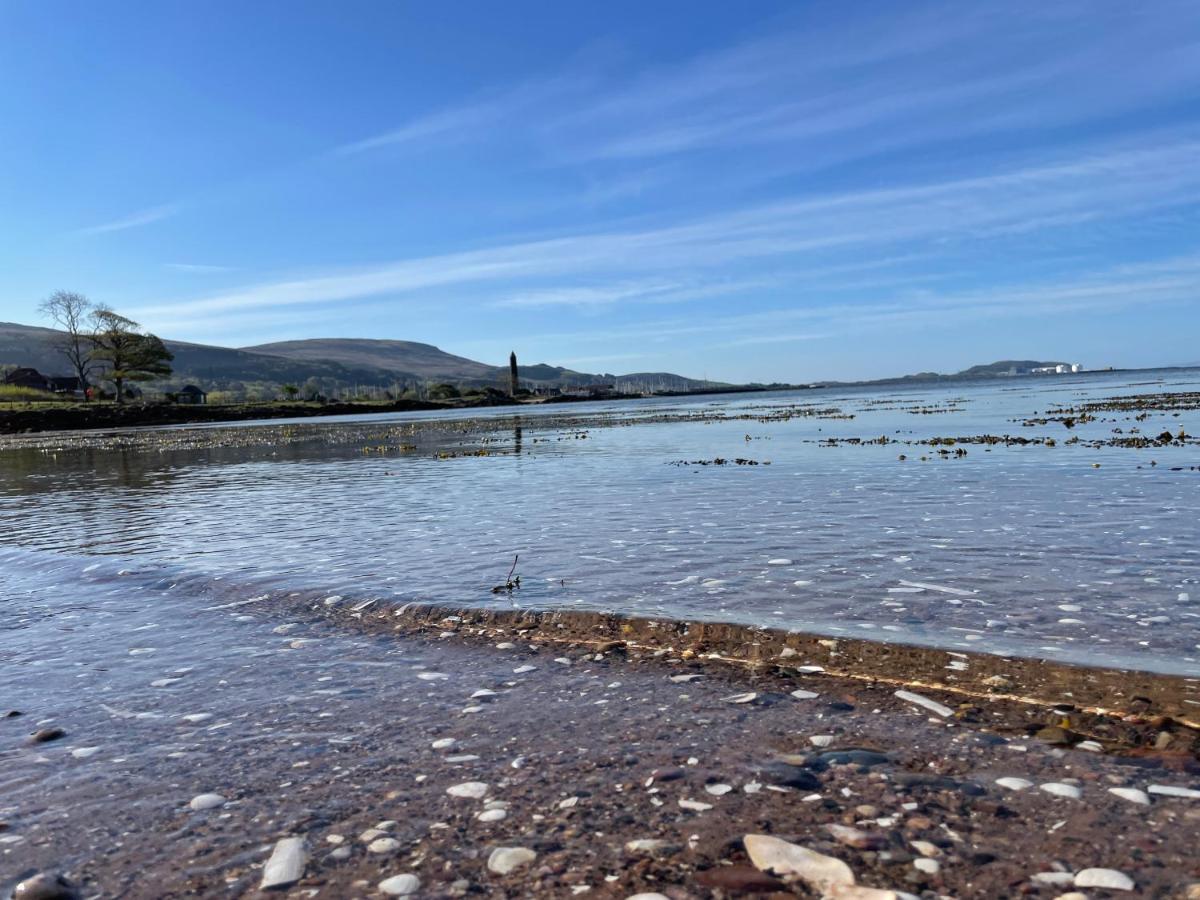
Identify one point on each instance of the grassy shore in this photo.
(25, 417)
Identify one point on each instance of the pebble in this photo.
(684, 679)
(1062, 790)
(471, 790)
(1166, 790)
(84, 752)
(483, 694)
(718, 790)
(1054, 878)
(770, 854)
(1014, 784)
(504, 859)
(853, 837)
(505, 645)
(521, 670)
(805, 695)
(1104, 878)
(1133, 795)
(492, 815)
(741, 698)
(444, 744)
(647, 897)
(931, 705)
(694, 805)
(400, 885)
(286, 865)
(432, 676)
(779, 562)
(925, 848)
(926, 865)
(47, 734)
(45, 886)
(196, 718)
(647, 846)
(383, 845)
(821, 740)
(206, 801)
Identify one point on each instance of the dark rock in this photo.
(673, 773)
(849, 756)
(739, 880)
(785, 775)
(47, 734)
(1059, 737)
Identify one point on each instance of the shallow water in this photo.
(1009, 549)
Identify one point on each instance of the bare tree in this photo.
(71, 312)
(125, 352)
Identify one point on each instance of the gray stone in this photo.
(400, 885)
(206, 801)
(1104, 878)
(504, 859)
(286, 865)
(45, 886)
(770, 854)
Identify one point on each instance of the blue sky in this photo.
(761, 191)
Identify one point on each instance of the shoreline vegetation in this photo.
(25, 417)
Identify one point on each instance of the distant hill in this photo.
(424, 360)
(23, 345)
(333, 363)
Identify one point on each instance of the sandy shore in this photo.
(370, 743)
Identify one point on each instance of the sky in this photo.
(743, 192)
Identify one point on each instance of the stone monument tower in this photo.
(513, 383)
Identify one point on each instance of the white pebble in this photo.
(383, 845)
(286, 865)
(206, 801)
(1062, 790)
(504, 859)
(400, 885)
(471, 790)
(1014, 784)
(1133, 795)
(1167, 790)
(1104, 878)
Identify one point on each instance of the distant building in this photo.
(27, 378)
(32, 378)
(191, 395)
(1060, 369)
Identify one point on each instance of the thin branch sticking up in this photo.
(510, 583)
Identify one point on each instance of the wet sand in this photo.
(624, 766)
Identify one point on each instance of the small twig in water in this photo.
(510, 583)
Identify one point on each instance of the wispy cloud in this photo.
(134, 220)
(198, 268)
(843, 229)
(471, 120)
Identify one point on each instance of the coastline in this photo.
(621, 756)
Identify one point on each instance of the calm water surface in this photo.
(1017, 549)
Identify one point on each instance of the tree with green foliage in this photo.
(290, 391)
(71, 312)
(125, 352)
(443, 392)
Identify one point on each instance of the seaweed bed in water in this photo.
(357, 742)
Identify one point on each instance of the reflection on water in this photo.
(1012, 549)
